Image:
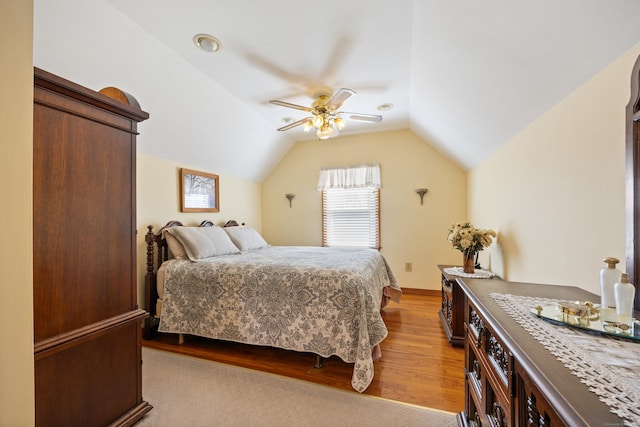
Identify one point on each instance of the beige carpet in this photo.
(187, 391)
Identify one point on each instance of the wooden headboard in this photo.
(157, 253)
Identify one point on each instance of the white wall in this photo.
(410, 232)
(16, 286)
(556, 191)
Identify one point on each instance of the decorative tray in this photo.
(589, 317)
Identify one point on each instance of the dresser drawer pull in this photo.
(477, 420)
(498, 414)
(476, 369)
(480, 334)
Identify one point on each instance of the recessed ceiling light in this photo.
(207, 43)
(386, 106)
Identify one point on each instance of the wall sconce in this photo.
(290, 196)
(421, 192)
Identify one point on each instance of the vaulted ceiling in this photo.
(465, 75)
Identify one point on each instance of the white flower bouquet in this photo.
(468, 239)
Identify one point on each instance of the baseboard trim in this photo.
(429, 292)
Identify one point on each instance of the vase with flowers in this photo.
(469, 240)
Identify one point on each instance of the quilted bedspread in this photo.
(310, 299)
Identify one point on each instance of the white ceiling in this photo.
(466, 75)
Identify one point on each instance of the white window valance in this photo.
(362, 176)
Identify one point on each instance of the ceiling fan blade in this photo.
(369, 118)
(289, 105)
(294, 124)
(339, 97)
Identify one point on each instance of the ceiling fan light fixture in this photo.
(207, 43)
(324, 114)
(318, 121)
(307, 125)
(325, 132)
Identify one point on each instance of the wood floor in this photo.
(418, 365)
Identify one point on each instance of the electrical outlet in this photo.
(408, 266)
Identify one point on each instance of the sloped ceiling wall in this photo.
(466, 76)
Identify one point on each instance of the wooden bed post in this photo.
(155, 244)
(150, 291)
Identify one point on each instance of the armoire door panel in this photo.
(90, 384)
(85, 184)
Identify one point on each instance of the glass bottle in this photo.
(608, 278)
(625, 292)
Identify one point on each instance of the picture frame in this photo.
(199, 191)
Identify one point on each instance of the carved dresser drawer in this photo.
(488, 373)
(534, 409)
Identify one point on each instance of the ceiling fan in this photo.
(325, 117)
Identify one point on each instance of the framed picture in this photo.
(199, 191)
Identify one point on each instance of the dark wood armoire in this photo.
(87, 324)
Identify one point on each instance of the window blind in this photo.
(351, 217)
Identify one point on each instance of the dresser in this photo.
(511, 379)
(87, 324)
(452, 311)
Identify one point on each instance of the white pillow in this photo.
(203, 242)
(245, 238)
(175, 247)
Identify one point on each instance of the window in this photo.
(351, 217)
(351, 206)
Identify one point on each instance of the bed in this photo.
(227, 283)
